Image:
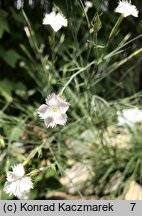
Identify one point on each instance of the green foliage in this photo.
(3, 23)
(10, 57)
(6, 88)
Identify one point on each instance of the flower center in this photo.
(54, 109)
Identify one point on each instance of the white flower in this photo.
(88, 4)
(56, 21)
(17, 182)
(129, 116)
(24, 196)
(126, 8)
(53, 112)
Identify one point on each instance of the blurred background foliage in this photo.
(35, 62)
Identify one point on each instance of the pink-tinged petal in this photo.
(49, 122)
(60, 119)
(42, 111)
(52, 100)
(63, 105)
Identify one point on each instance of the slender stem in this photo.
(96, 38)
(30, 30)
(63, 172)
(74, 75)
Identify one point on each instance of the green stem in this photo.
(31, 31)
(74, 75)
(96, 38)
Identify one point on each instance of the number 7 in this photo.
(133, 205)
